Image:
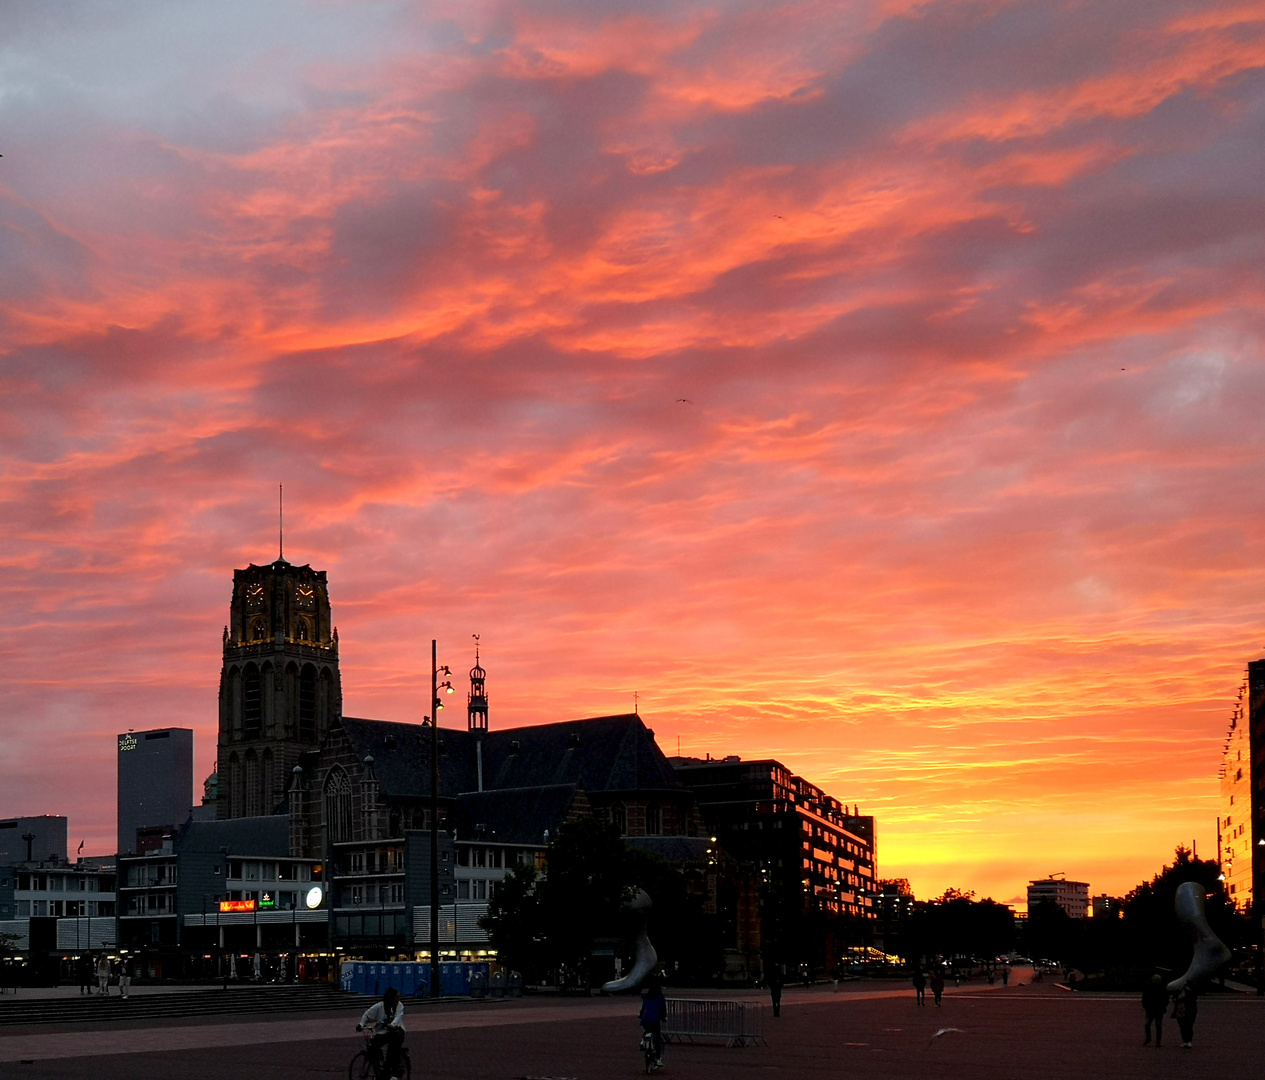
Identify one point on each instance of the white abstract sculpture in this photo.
(644, 958)
(1210, 950)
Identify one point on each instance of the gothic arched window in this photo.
(654, 819)
(338, 805)
(619, 818)
(234, 787)
(252, 702)
(291, 699)
(267, 796)
(303, 633)
(257, 631)
(251, 784)
(307, 704)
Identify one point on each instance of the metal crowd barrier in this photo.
(737, 1022)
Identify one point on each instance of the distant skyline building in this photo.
(1107, 907)
(155, 782)
(1234, 821)
(1071, 896)
(33, 838)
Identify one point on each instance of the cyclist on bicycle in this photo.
(654, 1010)
(387, 1021)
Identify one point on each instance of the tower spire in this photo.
(477, 714)
(281, 524)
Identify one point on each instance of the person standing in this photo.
(920, 986)
(775, 988)
(103, 975)
(1154, 1005)
(1185, 1009)
(1005, 976)
(125, 978)
(85, 975)
(937, 987)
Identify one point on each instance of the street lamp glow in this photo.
(314, 897)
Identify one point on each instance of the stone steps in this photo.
(237, 999)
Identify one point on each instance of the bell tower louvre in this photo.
(280, 688)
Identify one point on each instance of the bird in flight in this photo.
(684, 401)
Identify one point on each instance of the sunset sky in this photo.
(962, 515)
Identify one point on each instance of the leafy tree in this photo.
(1151, 934)
(538, 922)
(956, 924)
(513, 921)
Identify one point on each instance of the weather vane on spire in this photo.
(476, 647)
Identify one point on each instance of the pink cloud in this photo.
(447, 274)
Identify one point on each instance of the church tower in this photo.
(280, 690)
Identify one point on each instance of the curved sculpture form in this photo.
(1210, 950)
(645, 957)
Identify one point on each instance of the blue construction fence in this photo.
(412, 979)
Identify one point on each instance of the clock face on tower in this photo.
(255, 595)
(305, 597)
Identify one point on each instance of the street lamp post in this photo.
(435, 706)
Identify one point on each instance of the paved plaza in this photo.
(869, 1030)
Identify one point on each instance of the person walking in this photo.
(1185, 1009)
(920, 986)
(775, 987)
(103, 975)
(125, 977)
(1005, 976)
(1154, 1005)
(937, 987)
(85, 975)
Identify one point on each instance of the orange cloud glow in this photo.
(959, 516)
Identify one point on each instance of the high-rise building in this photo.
(280, 689)
(814, 862)
(26, 839)
(1234, 822)
(155, 782)
(1071, 896)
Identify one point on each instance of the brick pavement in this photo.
(876, 1033)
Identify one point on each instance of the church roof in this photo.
(268, 837)
(603, 754)
(401, 757)
(512, 815)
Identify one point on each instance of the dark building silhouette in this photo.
(801, 882)
(24, 839)
(169, 897)
(357, 791)
(155, 783)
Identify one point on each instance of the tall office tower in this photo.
(280, 689)
(32, 838)
(155, 782)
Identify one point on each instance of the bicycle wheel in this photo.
(361, 1067)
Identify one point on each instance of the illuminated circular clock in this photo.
(314, 896)
(255, 595)
(305, 596)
